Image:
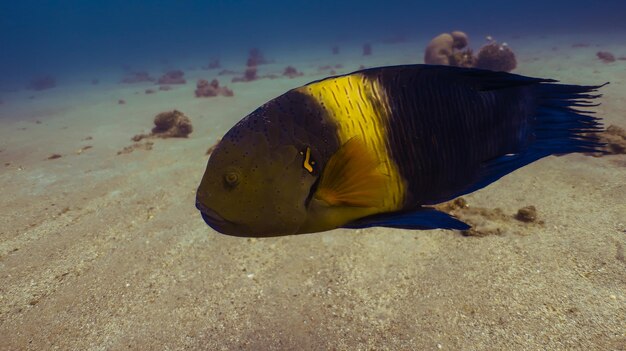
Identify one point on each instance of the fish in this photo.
(380, 147)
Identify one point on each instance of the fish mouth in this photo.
(212, 218)
(222, 225)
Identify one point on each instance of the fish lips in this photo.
(211, 222)
(212, 218)
(219, 223)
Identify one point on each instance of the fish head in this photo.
(254, 186)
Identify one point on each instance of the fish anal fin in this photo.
(420, 218)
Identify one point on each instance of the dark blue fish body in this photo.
(456, 130)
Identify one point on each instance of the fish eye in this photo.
(231, 179)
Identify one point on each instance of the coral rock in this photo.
(442, 47)
(249, 75)
(172, 124)
(605, 56)
(459, 40)
(615, 139)
(496, 57)
(173, 77)
(527, 214)
(206, 89)
(291, 72)
(203, 88)
(463, 58)
(255, 58)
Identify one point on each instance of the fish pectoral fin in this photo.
(351, 177)
(421, 218)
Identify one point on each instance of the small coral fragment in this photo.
(206, 89)
(171, 124)
(291, 72)
(605, 56)
(527, 214)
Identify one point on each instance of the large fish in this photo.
(377, 146)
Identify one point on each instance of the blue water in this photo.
(62, 37)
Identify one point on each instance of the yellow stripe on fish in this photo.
(359, 108)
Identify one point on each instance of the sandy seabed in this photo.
(100, 251)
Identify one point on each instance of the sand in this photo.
(100, 251)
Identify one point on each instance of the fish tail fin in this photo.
(560, 127)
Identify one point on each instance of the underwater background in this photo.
(84, 37)
(102, 248)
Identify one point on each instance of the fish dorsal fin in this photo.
(351, 177)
